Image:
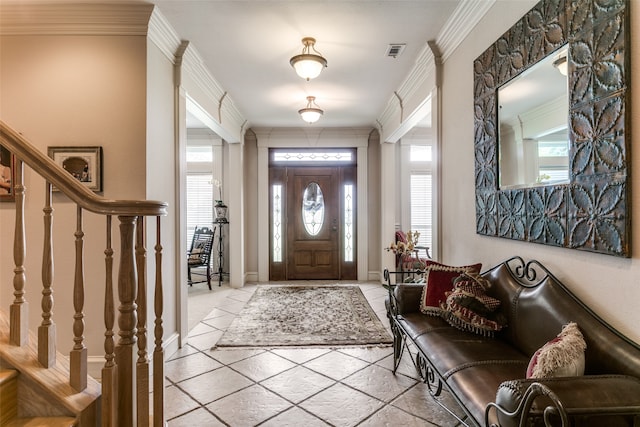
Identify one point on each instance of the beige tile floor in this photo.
(282, 387)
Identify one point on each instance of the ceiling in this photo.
(246, 46)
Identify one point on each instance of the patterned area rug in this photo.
(305, 316)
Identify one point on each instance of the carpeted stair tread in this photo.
(42, 422)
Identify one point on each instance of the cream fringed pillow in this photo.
(563, 356)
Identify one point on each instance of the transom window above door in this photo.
(330, 156)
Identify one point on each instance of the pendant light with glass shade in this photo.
(310, 62)
(562, 65)
(311, 113)
(560, 62)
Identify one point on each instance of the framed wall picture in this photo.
(84, 163)
(7, 175)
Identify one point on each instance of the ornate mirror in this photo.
(587, 207)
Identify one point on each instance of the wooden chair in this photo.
(199, 254)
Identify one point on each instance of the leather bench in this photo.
(487, 374)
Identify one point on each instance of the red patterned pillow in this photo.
(439, 280)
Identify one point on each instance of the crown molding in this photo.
(312, 137)
(463, 20)
(410, 122)
(423, 68)
(23, 18)
(194, 65)
(121, 19)
(162, 34)
(461, 23)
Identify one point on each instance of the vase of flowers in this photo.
(406, 250)
(400, 247)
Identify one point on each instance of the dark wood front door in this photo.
(313, 226)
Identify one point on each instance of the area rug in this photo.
(306, 316)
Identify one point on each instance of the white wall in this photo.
(250, 205)
(610, 285)
(373, 207)
(73, 91)
(256, 203)
(161, 182)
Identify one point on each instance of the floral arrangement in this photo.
(400, 248)
(218, 184)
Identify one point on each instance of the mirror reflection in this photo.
(533, 122)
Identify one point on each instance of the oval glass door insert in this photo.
(313, 208)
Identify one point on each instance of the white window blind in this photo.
(421, 207)
(199, 203)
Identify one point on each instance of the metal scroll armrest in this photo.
(535, 390)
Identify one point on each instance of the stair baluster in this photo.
(142, 366)
(78, 355)
(127, 322)
(110, 369)
(158, 352)
(47, 329)
(19, 310)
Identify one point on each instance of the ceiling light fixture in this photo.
(311, 113)
(561, 64)
(309, 63)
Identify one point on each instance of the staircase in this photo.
(31, 395)
(9, 402)
(39, 386)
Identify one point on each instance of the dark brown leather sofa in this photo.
(486, 375)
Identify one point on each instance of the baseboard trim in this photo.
(375, 276)
(96, 363)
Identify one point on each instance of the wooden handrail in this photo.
(126, 390)
(81, 195)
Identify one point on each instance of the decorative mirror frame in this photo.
(592, 212)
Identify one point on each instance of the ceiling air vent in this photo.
(395, 49)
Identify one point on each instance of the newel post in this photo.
(127, 320)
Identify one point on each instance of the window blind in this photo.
(421, 203)
(199, 203)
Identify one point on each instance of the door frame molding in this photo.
(286, 174)
(313, 138)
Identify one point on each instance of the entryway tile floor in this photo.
(280, 387)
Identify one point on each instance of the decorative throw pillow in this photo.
(563, 356)
(439, 280)
(196, 253)
(469, 308)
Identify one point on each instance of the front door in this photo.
(313, 226)
(312, 222)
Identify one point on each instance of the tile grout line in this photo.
(372, 299)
